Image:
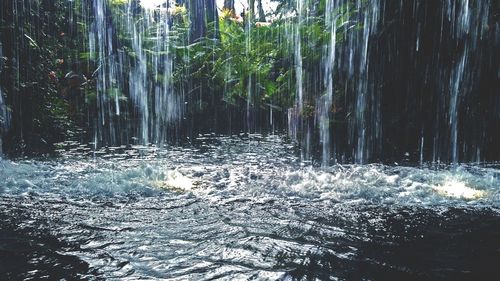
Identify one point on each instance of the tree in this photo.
(197, 16)
(262, 14)
(229, 5)
(251, 10)
(212, 17)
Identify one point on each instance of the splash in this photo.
(457, 189)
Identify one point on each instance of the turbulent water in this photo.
(244, 209)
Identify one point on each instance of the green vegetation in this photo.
(41, 42)
(50, 74)
(114, 72)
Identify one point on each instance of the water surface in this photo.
(244, 209)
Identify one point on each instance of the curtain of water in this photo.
(299, 79)
(293, 115)
(138, 74)
(352, 27)
(4, 113)
(364, 135)
(468, 21)
(144, 75)
(298, 124)
(168, 103)
(438, 52)
(299, 87)
(364, 124)
(325, 102)
(248, 49)
(101, 47)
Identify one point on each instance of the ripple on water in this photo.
(245, 209)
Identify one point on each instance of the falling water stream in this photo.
(362, 136)
(350, 71)
(4, 113)
(351, 81)
(326, 104)
(149, 82)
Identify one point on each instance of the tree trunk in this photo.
(212, 18)
(262, 14)
(229, 5)
(197, 16)
(251, 10)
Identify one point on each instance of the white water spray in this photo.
(148, 81)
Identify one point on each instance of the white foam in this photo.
(458, 189)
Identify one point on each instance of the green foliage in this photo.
(42, 42)
(118, 2)
(245, 62)
(239, 62)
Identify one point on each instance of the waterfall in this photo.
(364, 124)
(2, 119)
(248, 49)
(4, 113)
(467, 30)
(298, 57)
(325, 102)
(364, 135)
(109, 84)
(449, 70)
(360, 81)
(138, 75)
(147, 83)
(299, 114)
